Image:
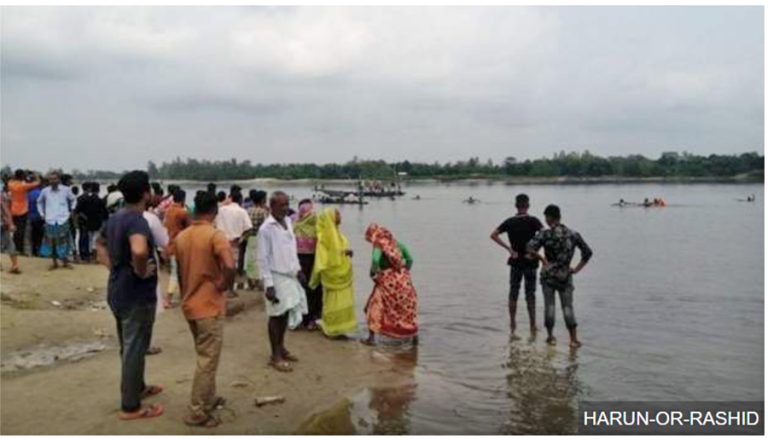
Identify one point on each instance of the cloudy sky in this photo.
(111, 88)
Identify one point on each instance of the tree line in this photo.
(562, 164)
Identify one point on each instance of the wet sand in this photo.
(78, 392)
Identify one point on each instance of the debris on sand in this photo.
(265, 400)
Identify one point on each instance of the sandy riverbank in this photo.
(62, 313)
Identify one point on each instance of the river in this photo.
(669, 308)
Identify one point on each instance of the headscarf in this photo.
(332, 266)
(383, 239)
(305, 225)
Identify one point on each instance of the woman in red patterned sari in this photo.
(392, 307)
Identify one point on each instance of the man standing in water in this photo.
(127, 248)
(206, 272)
(559, 244)
(520, 229)
(282, 277)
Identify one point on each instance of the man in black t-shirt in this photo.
(90, 211)
(520, 229)
(125, 245)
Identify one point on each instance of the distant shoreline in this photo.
(739, 179)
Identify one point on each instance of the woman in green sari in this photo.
(333, 270)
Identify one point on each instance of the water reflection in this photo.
(543, 389)
(374, 410)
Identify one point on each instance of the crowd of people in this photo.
(50, 217)
(222, 244)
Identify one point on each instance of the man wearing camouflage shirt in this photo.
(559, 244)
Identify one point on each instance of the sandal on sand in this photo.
(287, 356)
(154, 350)
(152, 411)
(151, 391)
(14, 271)
(202, 421)
(281, 366)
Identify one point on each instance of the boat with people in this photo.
(332, 200)
(656, 202)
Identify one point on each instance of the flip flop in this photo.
(281, 366)
(152, 411)
(205, 422)
(14, 271)
(290, 357)
(154, 350)
(151, 390)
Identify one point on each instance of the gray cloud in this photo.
(114, 87)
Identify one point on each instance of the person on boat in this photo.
(333, 271)
(559, 243)
(622, 203)
(286, 302)
(305, 229)
(647, 203)
(392, 307)
(520, 229)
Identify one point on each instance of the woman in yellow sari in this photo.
(333, 270)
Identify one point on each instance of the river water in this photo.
(670, 308)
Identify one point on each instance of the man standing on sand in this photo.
(560, 243)
(176, 220)
(18, 187)
(282, 278)
(236, 224)
(55, 206)
(90, 211)
(206, 272)
(7, 229)
(127, 248)
(35, 221)
(520, 229)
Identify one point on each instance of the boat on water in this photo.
(365, 193)
(330, 200)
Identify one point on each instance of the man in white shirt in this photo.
(236, 224)
(282, 276)
(55, 205)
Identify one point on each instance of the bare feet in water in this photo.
(575, 344)
(551, 340)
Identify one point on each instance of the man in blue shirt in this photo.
(126, 247)
(55, 205)
(36, 221)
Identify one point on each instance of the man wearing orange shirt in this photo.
(206, 272)
(176, 220)
(18, 188)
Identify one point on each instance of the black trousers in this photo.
(241, 255)
(134, 332)
(314, 297)
(37, 229)
(20, 221)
